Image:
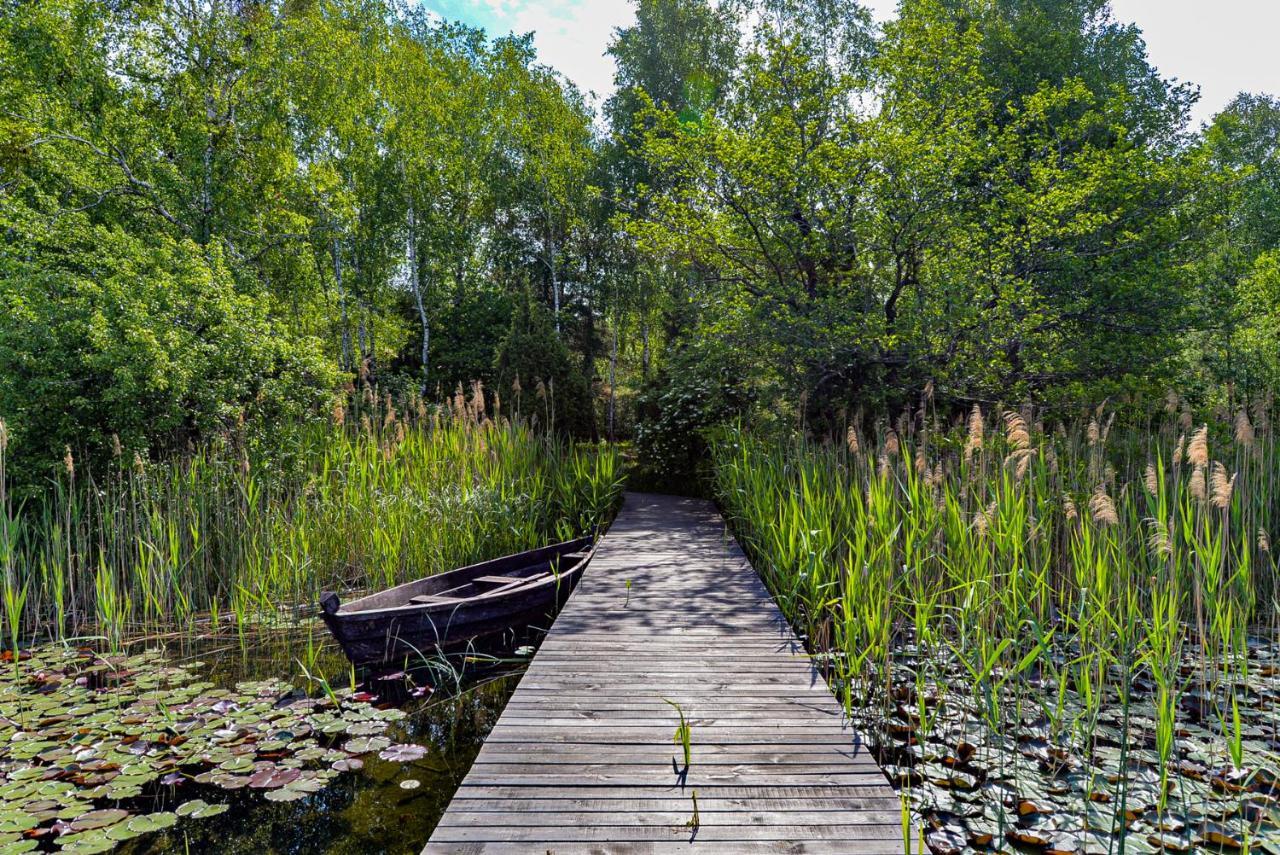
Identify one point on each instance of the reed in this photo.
(378, 495)
(1052, 569)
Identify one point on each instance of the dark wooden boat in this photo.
(449, 611)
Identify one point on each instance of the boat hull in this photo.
(395, 634)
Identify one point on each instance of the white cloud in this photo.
(570, 35)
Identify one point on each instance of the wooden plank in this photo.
(707, 804)
(583, 757)
(674, 815)
(724, 791)
(679, 847)
(663, 833)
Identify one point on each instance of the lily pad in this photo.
(405, 753)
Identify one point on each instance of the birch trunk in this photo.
(415, 278)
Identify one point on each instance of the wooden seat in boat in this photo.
(435, 600)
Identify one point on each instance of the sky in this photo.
(1224, 46)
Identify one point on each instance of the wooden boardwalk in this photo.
(583, 758)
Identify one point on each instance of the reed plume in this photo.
(1222, 486)
(1102, 508)
(1158, 541)
(1197, 486)
(1198, 449)
(1244, 429)
(976, 428)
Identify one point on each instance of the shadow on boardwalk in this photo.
(583, 758)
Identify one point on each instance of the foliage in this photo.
(699, 388)
(244, 205)
(466, 341)
(381, 496)
(1004, 221)
(149, 341)
(977, 579)
(533, 363)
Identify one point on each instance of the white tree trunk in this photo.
(613, 376)
(415, 280)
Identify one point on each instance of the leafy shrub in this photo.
(104, 334)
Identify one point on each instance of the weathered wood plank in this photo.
(583, 757)
(663, 833)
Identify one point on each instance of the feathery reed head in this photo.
(851, 440)
(1244, 429)
(1158, 540)
(1198, 486)
(977, 426)
(1102, 508)
(1198, 449)
(1222, 486)
(1015, 431)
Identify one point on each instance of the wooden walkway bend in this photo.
(583, 758)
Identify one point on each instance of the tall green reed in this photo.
(377, 495)
(1086, 556)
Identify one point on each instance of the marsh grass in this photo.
(375, 496)
(1020, 572)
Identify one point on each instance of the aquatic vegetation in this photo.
(89, 741)
(1107, 591)
(974, 783)
(379, 495)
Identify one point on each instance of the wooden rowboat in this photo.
(449, 611)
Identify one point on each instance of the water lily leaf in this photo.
(147, 823)
(366, 744)
(272, 778)
(410, 784)
(367, 728)
(99, 819)
(210, 810)
(405, 753)
(17, 847)
(88, 845)
(13, 820)
(284, 795)
(240, 763)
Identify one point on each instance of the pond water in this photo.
(364, 811)
(1031, 768)
(237, 745)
